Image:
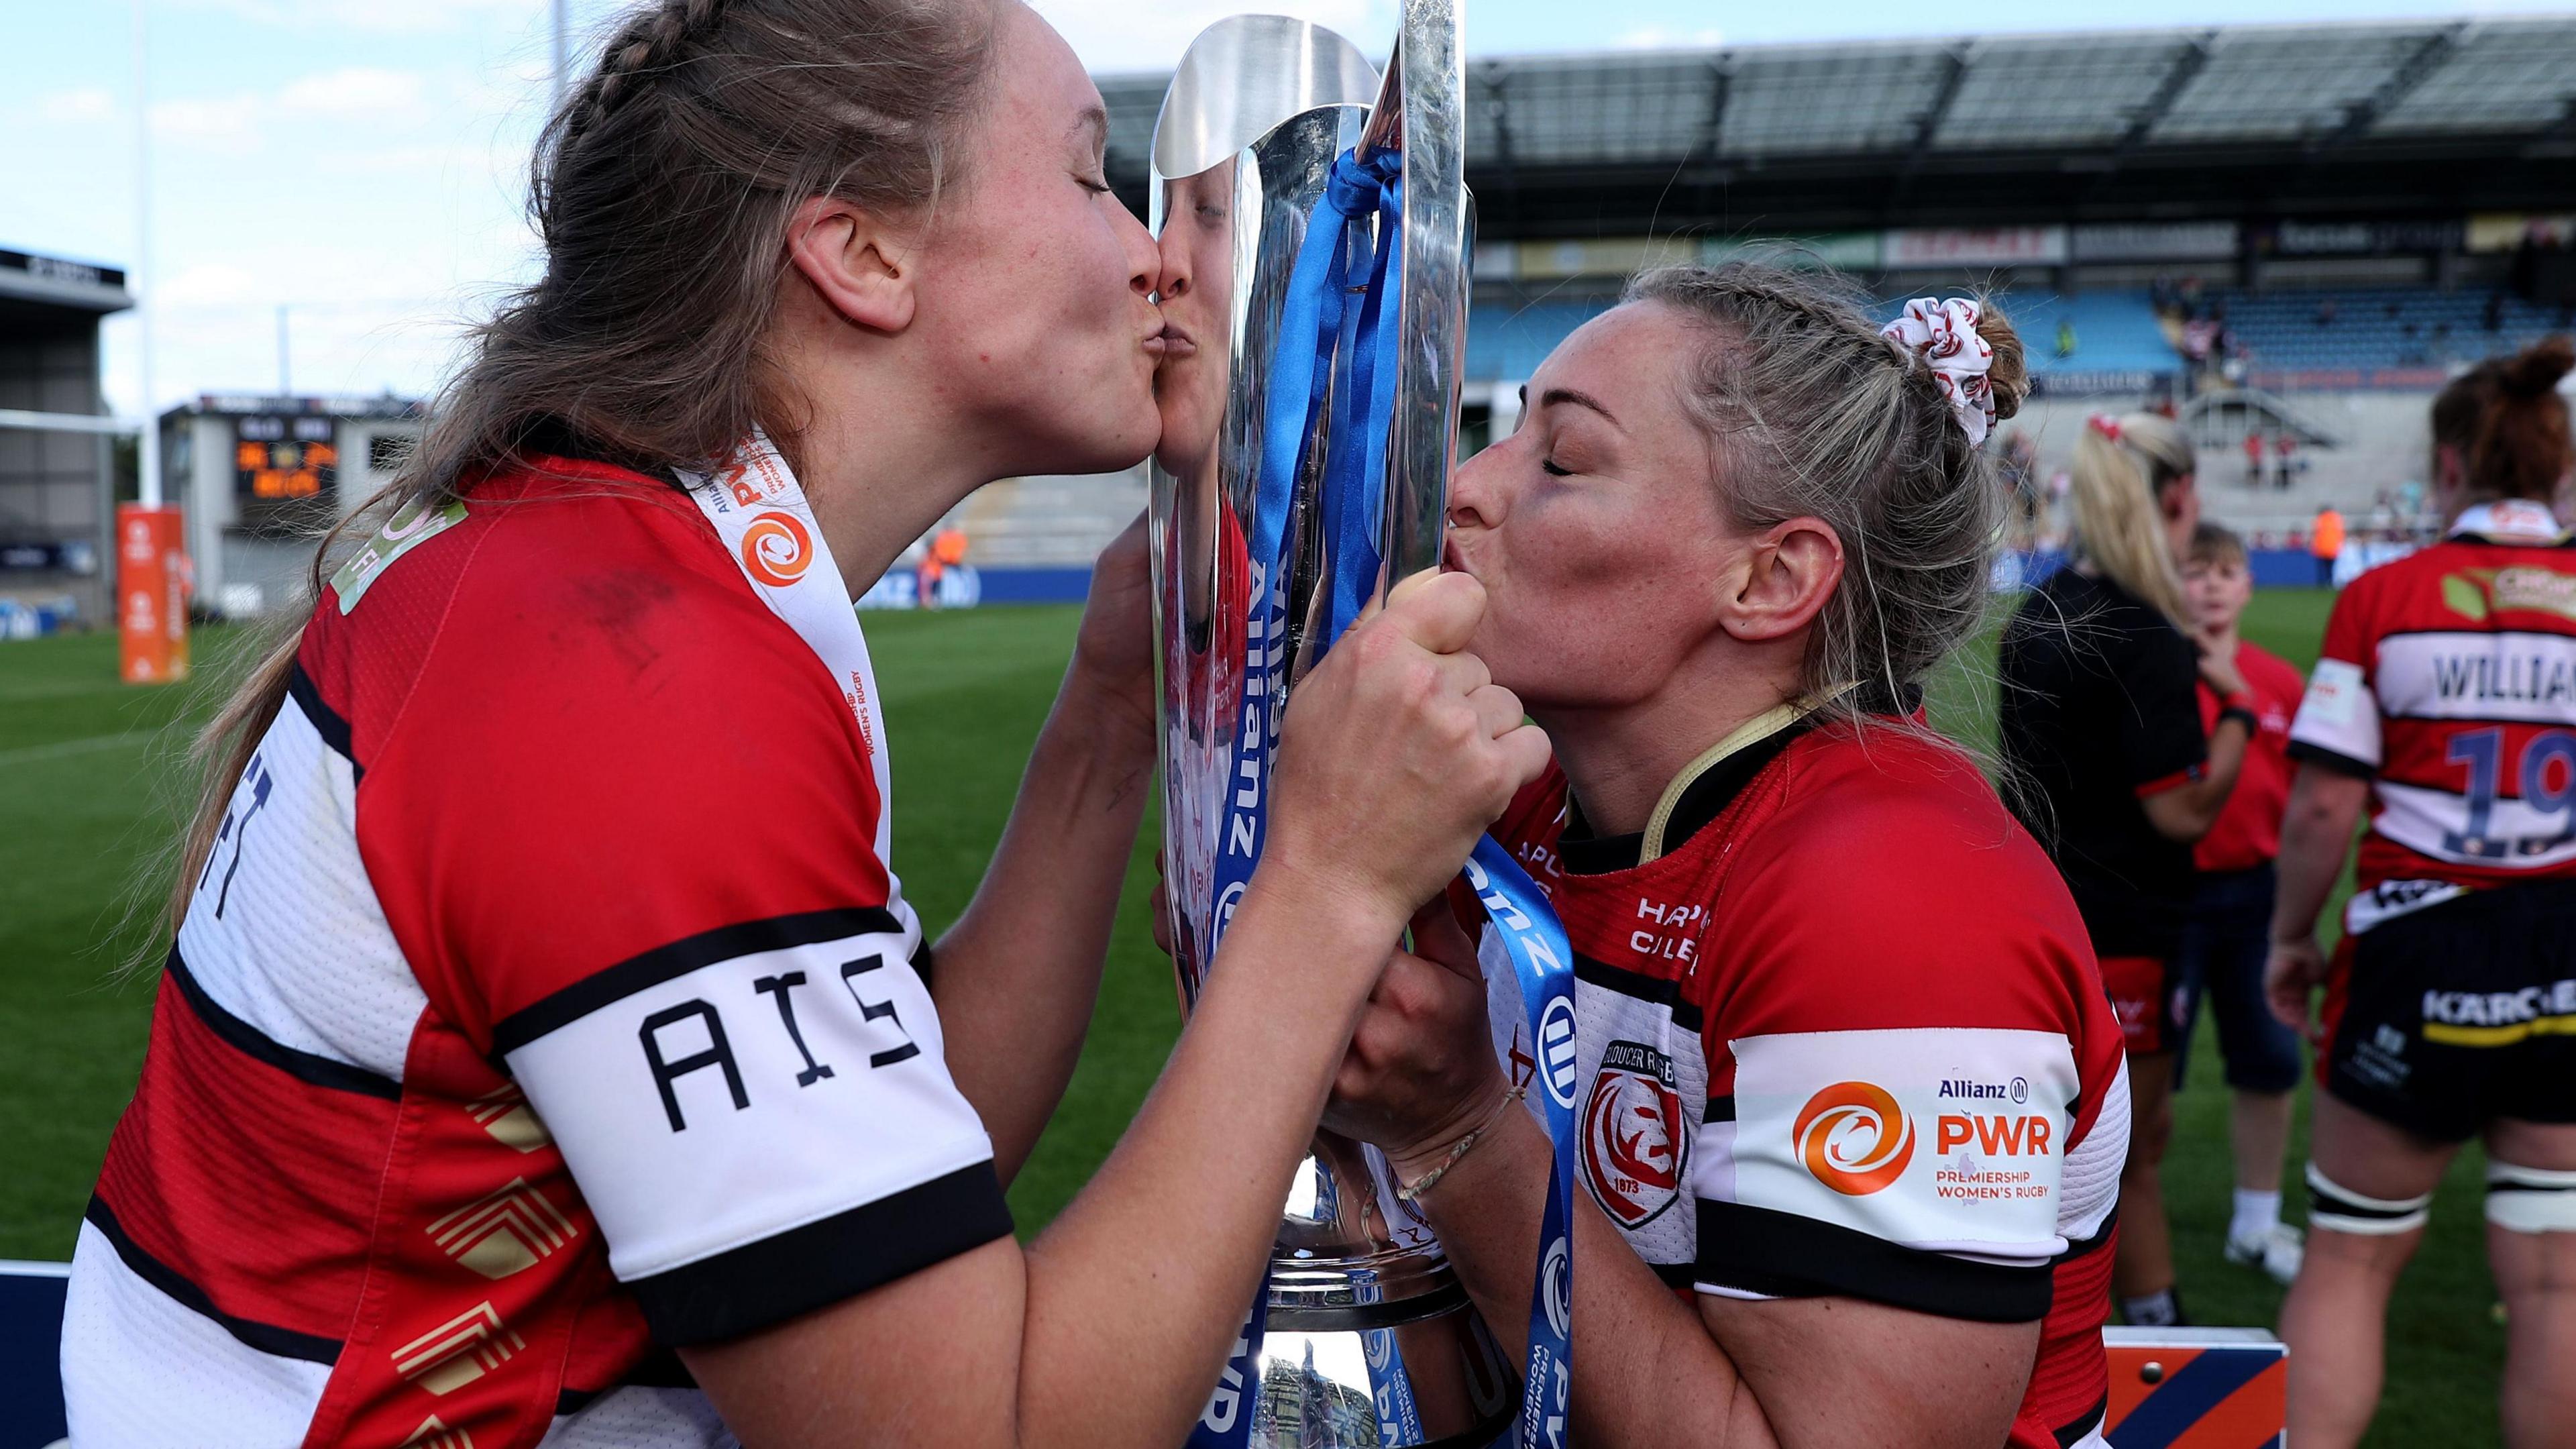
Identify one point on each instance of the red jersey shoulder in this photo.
(2465, 584)
(1884, 864)
(583, 738)
(1533, 823)
(2524, 587)
(2272, 678)
(558, 592)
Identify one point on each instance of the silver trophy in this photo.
(1369, 1340)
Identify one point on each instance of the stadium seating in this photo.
(1048, 523)
(2394, 341)
(2377, 329)
(2113, 331)
(1507, 343)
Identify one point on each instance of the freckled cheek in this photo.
(1558, 594)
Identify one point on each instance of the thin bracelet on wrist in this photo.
(1459, 1149)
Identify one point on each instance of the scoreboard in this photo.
(285, 467)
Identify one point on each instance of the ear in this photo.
(2174, 495)
(1792, 569)
(862, 268)
(2450, 470)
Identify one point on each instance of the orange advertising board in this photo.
(152, 581)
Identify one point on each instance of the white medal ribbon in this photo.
(769, 531)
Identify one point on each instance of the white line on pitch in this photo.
(30, 754)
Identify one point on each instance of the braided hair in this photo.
(649, 41)
(1817, 415)
(662, 190)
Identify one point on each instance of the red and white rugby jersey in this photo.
(544, 1005)
(2449, 678)
(1847, 1037)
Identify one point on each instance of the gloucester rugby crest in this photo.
(1636, 1141)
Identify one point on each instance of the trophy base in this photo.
(1420, 1373)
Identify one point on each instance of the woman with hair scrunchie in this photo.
(1849, 1096)
(2100, 726)
(547, 1050)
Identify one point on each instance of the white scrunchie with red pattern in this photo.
(1944, 336)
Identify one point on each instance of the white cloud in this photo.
(228, 124)
(358, 90)
(88, 105)
(325, 102)
(207, 284)
(401, 17)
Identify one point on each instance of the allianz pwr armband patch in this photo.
(1946, 1139)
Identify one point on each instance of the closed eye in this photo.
(1549, 467)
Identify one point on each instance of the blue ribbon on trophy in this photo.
(1323, 337)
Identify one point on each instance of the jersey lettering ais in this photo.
(1847, 1037)
(546, 1004)
(2449, 678)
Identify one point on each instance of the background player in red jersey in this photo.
(2114, 774)
(1851, 1100)
(548, 1050)
(2229, 928)
(2444, 701)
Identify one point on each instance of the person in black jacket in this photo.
(2101, 730)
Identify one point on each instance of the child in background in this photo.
(2225, 934)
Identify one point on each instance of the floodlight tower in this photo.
(139, 280)
(563, 52)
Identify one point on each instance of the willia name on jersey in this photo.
(2517, 678)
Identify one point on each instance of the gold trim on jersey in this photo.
(1744, 736)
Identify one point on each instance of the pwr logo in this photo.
(1854, 1138)
(777, 549)
(1635, 1141)
(1993, 1136)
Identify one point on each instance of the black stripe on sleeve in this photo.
(1641, 987)
(1719, 1109)
(2068, 1435)
(327, 722)
(663, 963)
(660, 1369)
(250, 1041)
(1783, 1255)
(768, 1282)
(266, 1337)
(2335, 760)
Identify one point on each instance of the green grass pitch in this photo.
(89, 775)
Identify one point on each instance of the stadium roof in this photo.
(2076, 109)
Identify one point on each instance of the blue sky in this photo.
(363, 161)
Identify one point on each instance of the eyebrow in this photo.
(1094, 118)
(1556, 395)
